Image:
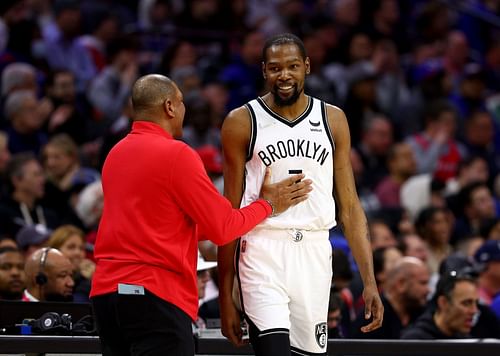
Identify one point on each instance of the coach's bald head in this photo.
(157, 98)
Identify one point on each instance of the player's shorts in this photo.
(285, 278)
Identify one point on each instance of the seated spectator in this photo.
(381, 234)
(48, 277)
(404, 298)
(434, 226)
(66, 176)
(384, 258)
(24, 205)
(335, 316)
(12, 276)
(401, 165)
(31, 238)
(455, 300)
(203, 277)
(436, 149)
(70, 240)
(25, 122)
(476, 205)
(488, 255)
(413, 245)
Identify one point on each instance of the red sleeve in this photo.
(195, 193)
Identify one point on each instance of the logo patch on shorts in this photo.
(321, 334)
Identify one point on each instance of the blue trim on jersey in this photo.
(280, 118)
(253, 132)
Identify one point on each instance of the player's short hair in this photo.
(284, 39)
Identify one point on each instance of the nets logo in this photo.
(321, 334)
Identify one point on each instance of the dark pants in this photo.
(142, 325)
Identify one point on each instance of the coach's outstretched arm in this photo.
(352, 217)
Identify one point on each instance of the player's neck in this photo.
(289, 112)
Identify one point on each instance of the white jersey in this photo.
(306, 145)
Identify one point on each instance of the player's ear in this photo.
(307, 63)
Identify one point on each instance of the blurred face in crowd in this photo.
(381, 236)
(12, 276)
(480, 129)
(438, 229)
(63, 87)
(416, 247)
(379, 136)
(32, 180)
(417, 287)
(57, 162)
(4, 152)
(482, 204)
(74, 249)
(458, 311)
(403, 162)
(28, 118)
(202, 277)
(285, 70)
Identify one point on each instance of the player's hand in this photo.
(373, 309)
(231, 323)
(286, 193)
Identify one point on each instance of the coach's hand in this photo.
(286, 193)
(373, 309)
(231, 323)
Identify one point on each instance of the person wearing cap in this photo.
(158, 202)
(488, 255)
(31, 238)
(203, 278)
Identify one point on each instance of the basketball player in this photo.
(284, 264)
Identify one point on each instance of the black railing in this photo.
(216, 346)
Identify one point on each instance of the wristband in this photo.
(272, 208)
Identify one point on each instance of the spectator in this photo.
(381, 234)
(436, 150)
(31, 238)
(434, 226)
(71, 242)
(476, 205)
(23, 206)
(48, 277)
(488, 255)
(413, 245)
(404, 297)
(402, 165)
(207, 307)
(63, 50)
(335, 316)
(376, 141)
(66, 176)
(25, 122)
(109, 92)
(12, 276)
(455, 301)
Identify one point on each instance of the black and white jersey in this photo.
(304, 145)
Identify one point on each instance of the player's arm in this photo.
(235, 135)
(352, 217)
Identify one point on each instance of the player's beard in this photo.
(292, 99)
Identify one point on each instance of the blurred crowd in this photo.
(419, 81)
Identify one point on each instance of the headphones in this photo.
(51, 321)
(61, 324)
(41, 278)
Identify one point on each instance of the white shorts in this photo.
(285, 278)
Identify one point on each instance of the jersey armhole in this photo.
(326, 123)
(253, 131)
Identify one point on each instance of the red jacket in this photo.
(156, 196)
